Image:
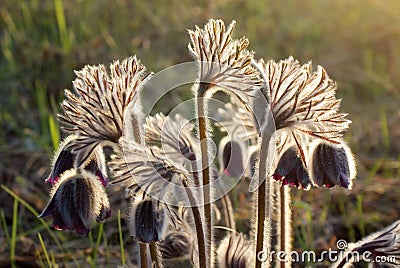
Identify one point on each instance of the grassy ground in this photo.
(42, 42)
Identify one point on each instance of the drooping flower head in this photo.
(164, 165)
(172, 136)
(77, 200)
(141, 170)
(237, 150)
(305, 109)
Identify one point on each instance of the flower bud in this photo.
(290, 170)
(332, 165)
(147, 221)
(77, 199)
(231, 157)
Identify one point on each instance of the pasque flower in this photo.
(95, 110)
(224, 62)
(305, 112)
(231, 157)
(173, 138)
(302, 102)
(77, 199)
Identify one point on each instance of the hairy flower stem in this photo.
(155, 256)
(260, 221)
(201, 113)
(198, 225)
(284, 231)
(143, 254)
(282, 221)
(228, 212)
(264, 207)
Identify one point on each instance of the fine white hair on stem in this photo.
(284, 222)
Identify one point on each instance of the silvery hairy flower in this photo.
(235, 251)
(77, 199)
(332, 164)
(167, 159)
(384, 243)
(64, 160)
(302, 103)
(173, 138)
(305, 109)
(148, 222)
(176, 245)
(224, 62)
(140, 169)
(95, 110)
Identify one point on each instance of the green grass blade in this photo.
(44, 250)
(62, 25)
(39, 258)
(4, 224)
(10, 24)
(361, 223)
(54, 132)
(14, 232)
(99, 236)
(90, 259)
(121, 241)
(53, 258)
(105, 242)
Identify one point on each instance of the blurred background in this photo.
(43, 42)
